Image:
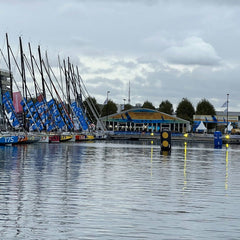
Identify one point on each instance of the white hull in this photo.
(44, 139)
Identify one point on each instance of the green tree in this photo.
(204, 107)
(90, 104)
(148, 104)
(127, 106)
(109, 108)
(185, 110)
(166, 107)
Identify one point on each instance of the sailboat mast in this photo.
(32, 69)
(67, 85)
(41, 72)
(9, 67)
(59, 98)
(23, 70)
(80, 88)
(23, 80)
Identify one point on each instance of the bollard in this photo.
(217, 139)
(166, 141)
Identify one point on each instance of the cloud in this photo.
(192, 51)
(167, 49)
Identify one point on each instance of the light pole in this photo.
(124, 103)
(107, 108)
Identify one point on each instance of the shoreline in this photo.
(234, 139)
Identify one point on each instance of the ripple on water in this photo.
(118, 191)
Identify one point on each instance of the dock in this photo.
(191, 137)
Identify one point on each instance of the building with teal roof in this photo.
(145, 120)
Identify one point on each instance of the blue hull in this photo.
(4, 140)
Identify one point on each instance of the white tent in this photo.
(201, 127)
(229, 127)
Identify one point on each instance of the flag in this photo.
(105, 102)
(225, 104)
(17, 97)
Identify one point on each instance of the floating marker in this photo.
(166, 141)
(217, 139)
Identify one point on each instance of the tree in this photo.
(185, 110)
(204, 107)
(109, 108)
(148, 104)
(166, 107)
(95, 106)
(127, 106)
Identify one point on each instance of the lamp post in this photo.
(124, 103)
(107, 108)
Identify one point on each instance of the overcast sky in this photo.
(167, 49)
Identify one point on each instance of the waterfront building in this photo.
(218, 121)
(145, 120)
(4, 87)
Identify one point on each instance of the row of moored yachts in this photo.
(25, 138)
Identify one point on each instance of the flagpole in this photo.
(107, 109)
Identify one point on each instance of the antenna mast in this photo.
(129, 94)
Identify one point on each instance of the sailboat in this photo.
(57, 119)
(8, 139)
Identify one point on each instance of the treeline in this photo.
(184, 110)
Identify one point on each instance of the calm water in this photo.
(113, 190)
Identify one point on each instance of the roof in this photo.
(144, 115)
(224, 113)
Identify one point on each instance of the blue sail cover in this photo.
(32, 112)
(79, 113)
(46, 114)
(58, 120)
(65, 116)
(8, 104)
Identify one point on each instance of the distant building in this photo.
(142, 119)
(218, 121)
(4, 81)
(4, 87)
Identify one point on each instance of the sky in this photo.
(163, 49)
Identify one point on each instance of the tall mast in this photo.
(47, 68)
(32, 68)
(9, 67)
(24, 91)
(80, 88)
(67, 85)
(23, 70)
(60, 71)
(41, 72)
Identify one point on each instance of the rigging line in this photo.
(3, 45)
(85, 95)
(32, 75)
(95, 112)
(19, 89)
(81, 80)
(36, 85)
(61, 68)
(4, 58)
(65, 96)
(58, 96)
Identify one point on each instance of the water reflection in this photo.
(114, 190)
(185, 166)
(226, 178)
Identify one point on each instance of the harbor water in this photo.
(119, 190)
